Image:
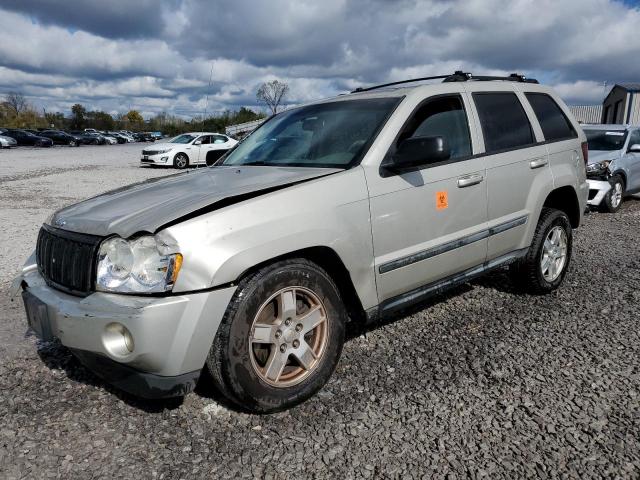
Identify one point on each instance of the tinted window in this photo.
(442, 117)
(635, 138)
(504, 123)
(555, 125)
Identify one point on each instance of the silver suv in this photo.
(347, 209)
(613, 170)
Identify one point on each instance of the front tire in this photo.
(280, 339)
(545, 265)
(613, 199)
(181, 161)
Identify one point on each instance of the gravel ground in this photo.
(484, 382)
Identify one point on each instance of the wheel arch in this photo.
(622, 173)
(329, 260)
(565, 199)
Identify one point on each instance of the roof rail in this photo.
(457, 76)
(374, 87)
(460, 76)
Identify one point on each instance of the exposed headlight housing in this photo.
(598, 167)
(146, 264)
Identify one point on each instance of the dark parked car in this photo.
(89, 138)
(61, 138)
(27, 138)
(144, 137)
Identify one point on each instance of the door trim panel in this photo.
(452, 245)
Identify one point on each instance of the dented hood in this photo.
(147, 206)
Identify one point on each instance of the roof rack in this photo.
(457, 76)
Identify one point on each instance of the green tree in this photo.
(135, 119)
(78, 114)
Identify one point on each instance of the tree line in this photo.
(17, 112)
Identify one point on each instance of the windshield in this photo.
(332, 134)
(607, 140)
(183, 139)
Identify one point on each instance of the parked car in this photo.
(61, 138)
(111, 140)
(353, 208)
(117, 136)
(157, 135)
(88, 138)
(23, 137)
(188, 149)
(613, 171)
(144, 137)
(7, 142)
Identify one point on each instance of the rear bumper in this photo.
(597, 191)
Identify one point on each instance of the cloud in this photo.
(173, 55)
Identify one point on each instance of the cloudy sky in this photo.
(160, 55)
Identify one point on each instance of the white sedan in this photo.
(188, 149)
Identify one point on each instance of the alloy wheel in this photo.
(554, 253)
(288, 337)
(616, 195)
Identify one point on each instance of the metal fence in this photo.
(587, 113)
(242, 129)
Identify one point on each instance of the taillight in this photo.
(585, 152)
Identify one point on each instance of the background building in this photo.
(622, 105)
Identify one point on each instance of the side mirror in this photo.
(417, 152)
(198, 142)
(635, 148)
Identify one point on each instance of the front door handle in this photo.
(538, 162)
(469, 180)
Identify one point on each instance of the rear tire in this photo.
(613, 199)
(280, 338)
(545, 265)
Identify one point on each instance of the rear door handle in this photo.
(469, 180)
(538, 162)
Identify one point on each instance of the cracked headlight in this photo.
(147, 264)
(598, 167)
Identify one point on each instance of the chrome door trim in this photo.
(452, 245)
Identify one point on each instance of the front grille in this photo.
(150, 152)
(67, 260)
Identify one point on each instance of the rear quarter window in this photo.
(554, 123)
(504, 123)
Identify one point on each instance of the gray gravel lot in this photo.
(484, 382)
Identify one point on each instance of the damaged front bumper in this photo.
(598, 189)
(152, 347)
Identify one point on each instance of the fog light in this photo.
(164, 159)
(117, 340)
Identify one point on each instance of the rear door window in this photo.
(504, 123)
(554, 123)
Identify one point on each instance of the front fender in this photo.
(331, 211)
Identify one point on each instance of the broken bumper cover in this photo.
(168, 338)
(597, 191)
